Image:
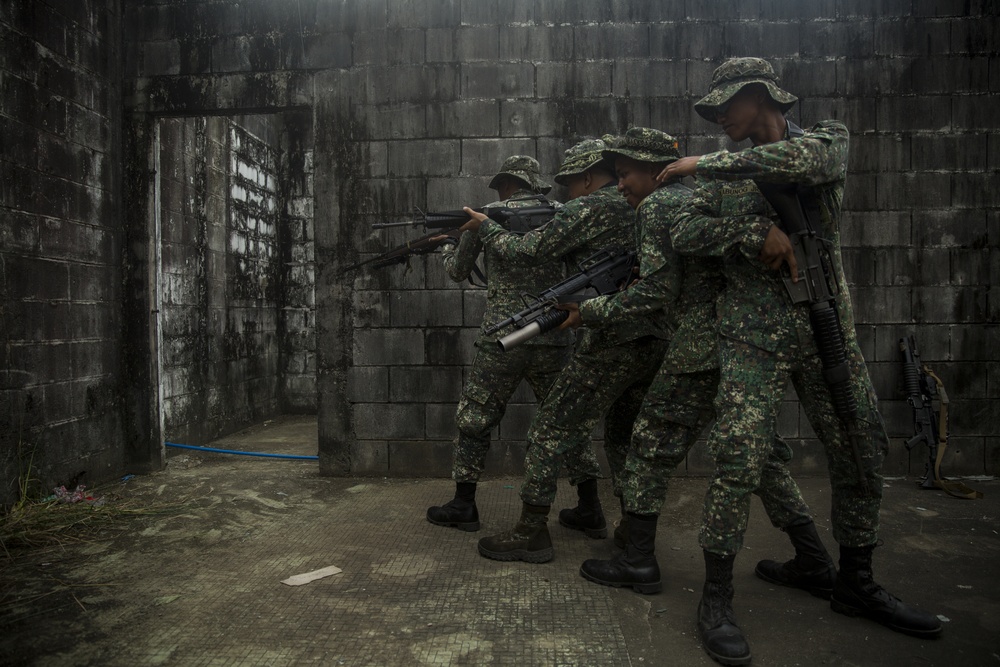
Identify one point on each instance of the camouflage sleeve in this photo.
(660, 273)
(820, 156)
(699, 228)
(555, 239)
(459, 260)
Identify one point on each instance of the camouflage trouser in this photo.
(750, 393)
(588, 387)
(494, 376)
(676, 409)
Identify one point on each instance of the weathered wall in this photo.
(415, 103)
(60, 220)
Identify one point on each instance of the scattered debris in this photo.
(306, 577)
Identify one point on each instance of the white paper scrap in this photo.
(306, 577)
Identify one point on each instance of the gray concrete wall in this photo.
(416, 102)
(60, 245)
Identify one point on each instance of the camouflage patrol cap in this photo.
(645, 145)
(735, 73)
(581, 157)
(524, 168)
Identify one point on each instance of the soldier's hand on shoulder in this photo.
(683, 167)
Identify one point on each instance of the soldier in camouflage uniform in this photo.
(610, 365)
(495, 374)
(678, 404)
(766, 341)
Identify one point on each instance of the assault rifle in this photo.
(816, 286)
(922, 388)
(604, 272)
(447, 225)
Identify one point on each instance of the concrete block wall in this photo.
(415, 103)
(60, 246)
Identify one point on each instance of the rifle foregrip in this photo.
(830, 343)
(545, 322)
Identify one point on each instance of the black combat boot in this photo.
(717, 627)
(528, 540)
(636, 567)
(461, 512)
(857, 594)
(588, 515)
(621, 530)
(812, 569)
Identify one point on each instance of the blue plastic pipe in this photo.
(233, 451)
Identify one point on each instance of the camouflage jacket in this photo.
(728, 217)
(598, 221)
(684, 288)
(504, 283)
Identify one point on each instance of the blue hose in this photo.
(233, 451)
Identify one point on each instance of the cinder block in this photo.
(420, 459)
(881, 305)
(964, 456)
(974, 267)
(674, 115)
(949, 228)
(949, 304)
(369, 458)
(777, 40)
(388, 347)
(351, 17)
(411, 83)
(423, 158)
(371, 309)
(975, 32)
(687, 40)
(478, 43)
(974, 190)
(449, 347)
(859, 266)
(505, 459)
(933, 341)
(426, 308)
(408, 47)
(610, 41)
(896, 113)
(516, 421)
(963, 379)
(474, 118)
(596, 117)
(476, 12)
(428, 384)
(525, 118)
(641, 79)
(387, 421)
(912, 37)
(879, 153)
(854, 38)
(898, 191)
(535, 43)
(574, 79)
(473, 307)
(441, 421)
(368, 384)
(992, 455)
(858, 113)
(482, 157)
(860, 194)
(723, 11)
(978, 343)
(497, 80)
(424, 14)
(962, 74)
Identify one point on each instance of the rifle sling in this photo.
(951, 487)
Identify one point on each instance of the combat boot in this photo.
(722, 638)
(636, 567)
(528, 541)
(857, 594)
(461, 512)
(588, 515)
(621, 530)
(812, 569)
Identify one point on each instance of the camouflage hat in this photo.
(735, 73)
(645, 145)
(524, 168)
(581, 157)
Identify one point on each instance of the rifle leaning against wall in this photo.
(816, 286)
(604, 272)
(923, 386)
(446, 225)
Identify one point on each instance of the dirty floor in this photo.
(196, 579)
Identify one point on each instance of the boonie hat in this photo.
(735, 73)
(525, 168)
(645, 145)
(581, 157)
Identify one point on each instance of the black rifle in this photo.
(816, 286)
(922, 388)
(448, 223)
(604, 272)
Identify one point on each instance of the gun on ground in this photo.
(816, 287)
(446, 225)
(930, 428)
(604, 272)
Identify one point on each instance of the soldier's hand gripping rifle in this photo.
(447, 224)
(922, 388)
(604, 272)
(816, 286)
